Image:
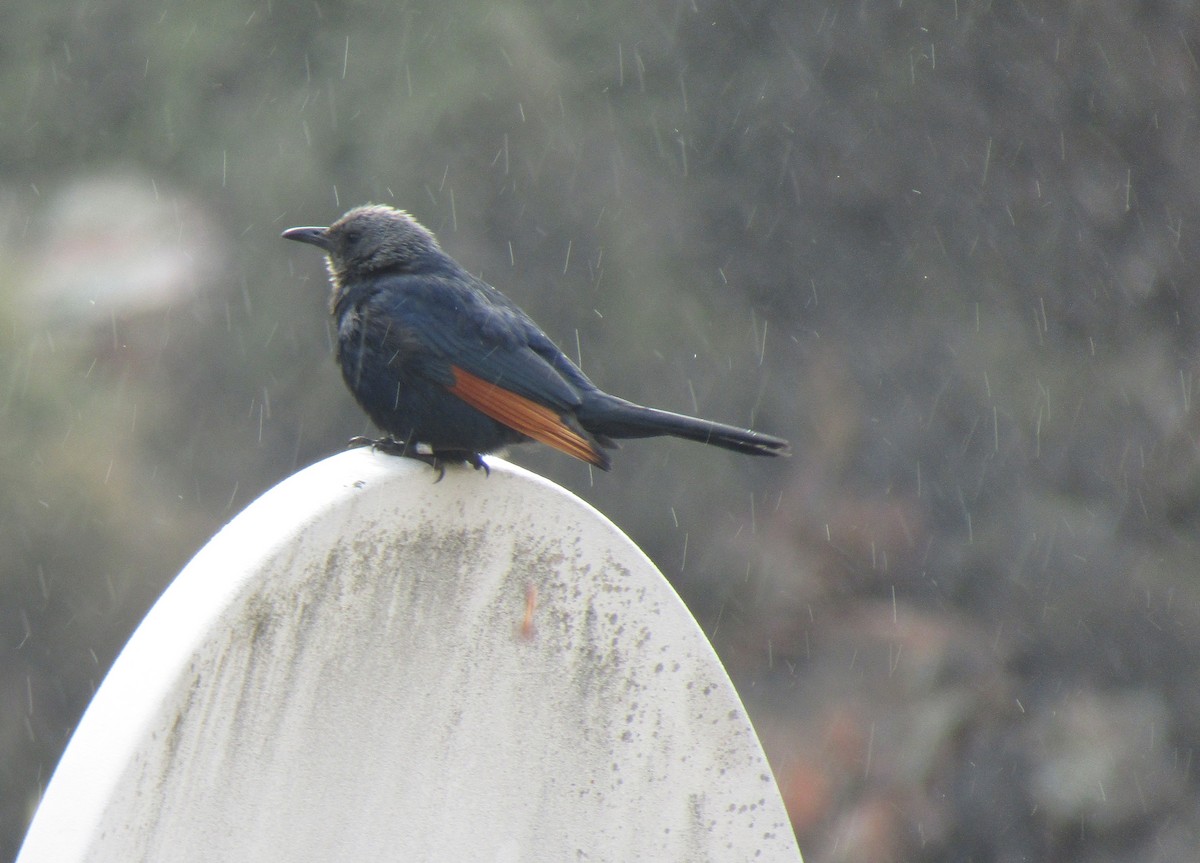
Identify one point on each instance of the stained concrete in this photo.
(367, 665)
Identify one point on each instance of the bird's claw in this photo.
(476, 461)
(388, 445)
(437, 461)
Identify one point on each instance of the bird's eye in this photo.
(353, 236)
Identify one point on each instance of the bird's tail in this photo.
(607, 416)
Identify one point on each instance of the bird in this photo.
(451, 369)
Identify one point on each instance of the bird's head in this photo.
(371, 239)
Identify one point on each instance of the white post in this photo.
(367, 665)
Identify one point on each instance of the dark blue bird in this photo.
(450, 368)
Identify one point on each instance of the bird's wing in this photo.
(532, 419)
(483, 352)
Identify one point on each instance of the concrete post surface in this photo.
(365, 665)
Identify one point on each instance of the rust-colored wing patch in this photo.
(528, 417)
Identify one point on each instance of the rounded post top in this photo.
(366, 664)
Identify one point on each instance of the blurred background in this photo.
(948, 249)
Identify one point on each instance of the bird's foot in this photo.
(388, 445)
(422, 453)
(441, 458)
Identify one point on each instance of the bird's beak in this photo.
(318, 237)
